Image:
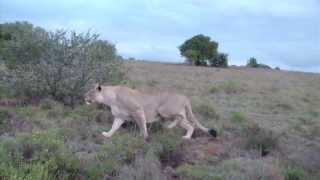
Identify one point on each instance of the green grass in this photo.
(239, 117)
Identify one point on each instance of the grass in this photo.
(238, 168)
(230, 87)
(239, 117)
(51, 141)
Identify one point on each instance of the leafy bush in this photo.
(207, 110)
(294, 173)
(36, 156)
(197, 172)
(214, 89)
(4, 120)
(239, 117)
(145, 167)
(120, 150)
(253, 63)
(165, 146)
(260, 139)
(59, 65)
(219, 60)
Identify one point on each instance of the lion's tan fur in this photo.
(128, 104)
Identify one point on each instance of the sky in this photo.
(282, 33)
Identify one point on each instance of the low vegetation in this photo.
(55, 64)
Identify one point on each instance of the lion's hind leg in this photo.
(174, 123)
(140, 118)
(186, 125)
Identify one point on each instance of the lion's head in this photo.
(94, 95)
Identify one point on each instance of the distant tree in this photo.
(264, 66)
(220, 60)
(198, 50)
(252, 62)
(131, 59)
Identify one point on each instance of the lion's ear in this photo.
(99, 88)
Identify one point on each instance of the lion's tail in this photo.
(191, 116)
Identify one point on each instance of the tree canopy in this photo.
(198, 49)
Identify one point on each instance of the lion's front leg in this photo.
(115, 126)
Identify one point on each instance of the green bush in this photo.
(145, 167)
(260, 139)
(4, 120)
(239, 117)
(214, 89)
(219, 60)
(253, 63)
(57, 64)
(36, 156)
(119, 150)
(294, 173)
(197, 172)
(207, 110)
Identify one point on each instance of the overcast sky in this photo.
(283, 33)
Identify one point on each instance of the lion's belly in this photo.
(116, 112)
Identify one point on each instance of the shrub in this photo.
(145, 167)
(253, 63)
(166, 147)
(4, 120)
(197, 172)
(294, 173)
(219, 60)
(36, 156)
(239, 117)
(260, 139)
(207, 110)
(213, 89)
(120, 150)
(62, 66)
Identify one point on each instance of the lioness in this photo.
(128, 104)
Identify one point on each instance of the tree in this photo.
(220, 60)
(252, 62)
(198, 49)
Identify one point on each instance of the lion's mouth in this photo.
(88, 102)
